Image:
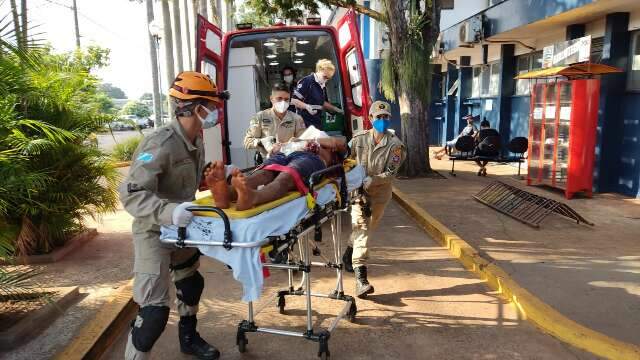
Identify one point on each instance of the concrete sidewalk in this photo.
(589, 274)
(426, 306)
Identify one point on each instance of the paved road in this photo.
(426, 306)
(107, 142)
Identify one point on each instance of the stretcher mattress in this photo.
(279, 220)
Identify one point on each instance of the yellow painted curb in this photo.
(104, 329)
(532, 308)
(121, 164)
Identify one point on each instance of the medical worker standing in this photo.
(163, 179)
(381, 153)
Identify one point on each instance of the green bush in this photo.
(50, 180)
(124, 150)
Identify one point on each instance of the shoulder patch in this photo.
(145, 157)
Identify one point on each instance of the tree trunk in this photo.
(16, 23)
(177, 35)
(187, 28)
(215, 15)
(414, 133)
(168, 50)
(23, 15)
(155, 76)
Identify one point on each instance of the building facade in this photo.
(475, 75)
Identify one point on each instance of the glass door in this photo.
(535, 132)
(564, 121)
(549, 134)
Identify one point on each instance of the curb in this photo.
(533, 309)
(95, 338)
(56, 255)
(38, 321)
(121, 164)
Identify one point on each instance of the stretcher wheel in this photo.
(281, 304)
(242, 345)
(353, 310)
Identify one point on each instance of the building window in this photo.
(486, 80)
(525, 64)
(634, 63)
(475, 83)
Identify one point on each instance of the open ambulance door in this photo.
(210, 61)
(355, 83)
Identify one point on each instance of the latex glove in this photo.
(367, 182)
(339, 111)
(181, 216)
(310, 109)
(267, 142)
(228, 169)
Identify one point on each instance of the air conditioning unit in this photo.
(470, 30)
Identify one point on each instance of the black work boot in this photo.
(363, 288)
(346, 259)
(190, 341)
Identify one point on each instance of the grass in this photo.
(124, 151)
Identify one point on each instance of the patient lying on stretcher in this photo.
(282, 172)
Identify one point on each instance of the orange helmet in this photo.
(190, 85)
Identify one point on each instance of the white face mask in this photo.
(321, 80)
(281, 106)
(211, 120)
(288, 78)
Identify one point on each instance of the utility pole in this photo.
(75, 18)
(155, 74)
(177, 34)
(168, 50)
(187, 29)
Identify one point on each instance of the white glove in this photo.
(339, 111)
(310, 109)
(181, 216)
(267, 142)
(228, 169)
(367, 182)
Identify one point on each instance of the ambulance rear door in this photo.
(354, 80)
(210, 61)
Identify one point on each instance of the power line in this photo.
(84, 16)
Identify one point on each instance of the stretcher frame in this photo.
(301, 234)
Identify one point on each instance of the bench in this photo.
(466, 147)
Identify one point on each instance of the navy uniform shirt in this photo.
(310, 92)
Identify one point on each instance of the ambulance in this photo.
(248, 61)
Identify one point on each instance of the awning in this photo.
(570, 71)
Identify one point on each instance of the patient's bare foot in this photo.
(214, 176)
(246, 195)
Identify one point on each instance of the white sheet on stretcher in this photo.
(245, 262)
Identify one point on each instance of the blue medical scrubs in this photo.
(310, 92)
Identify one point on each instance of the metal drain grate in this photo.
(524, 206)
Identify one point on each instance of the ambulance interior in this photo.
(254, 65)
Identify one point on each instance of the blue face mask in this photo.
(381, 125)
(211, 120)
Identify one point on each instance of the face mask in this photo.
(321, 79)
(381, 125)
(281, 106)
(288, 78)
(211, 120)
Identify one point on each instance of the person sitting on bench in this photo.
(279, 174)
(469, 130)
(488, 145)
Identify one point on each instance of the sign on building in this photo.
(567, 52)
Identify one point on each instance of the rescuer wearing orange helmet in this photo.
(165, 174)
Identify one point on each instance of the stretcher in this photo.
(293, 221)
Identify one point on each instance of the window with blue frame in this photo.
(486, 80)
(633, 83)
(524, 64)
